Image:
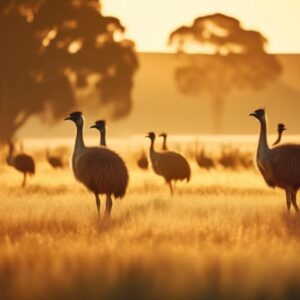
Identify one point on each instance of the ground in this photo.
(224, 235)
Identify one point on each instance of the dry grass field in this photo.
(224, 235)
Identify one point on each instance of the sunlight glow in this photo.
(49, 37)
(149, 23)
(75, 46)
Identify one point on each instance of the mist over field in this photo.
(158, 105)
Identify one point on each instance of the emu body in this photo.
(204, 161)
(142, 161)
(54, 161)
(21, 162)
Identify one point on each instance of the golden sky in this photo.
(149, 22)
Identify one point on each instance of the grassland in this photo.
(224, 235)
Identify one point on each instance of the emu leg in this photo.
(98, 204)
(109, 204)
(294, 201)
(24, 180)
(171, 187)
(288, 199)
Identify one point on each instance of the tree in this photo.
(238, 60)
(50, 49)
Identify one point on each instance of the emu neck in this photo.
(164, 145)
(79, 143)
(152, 152)
(278, 138)
(103, 138)
(263, 146)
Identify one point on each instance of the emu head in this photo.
(281, 127)
(100, 125)
(259, 114)
(76, 117)
(151, 136)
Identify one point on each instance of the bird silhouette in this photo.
(21, 162)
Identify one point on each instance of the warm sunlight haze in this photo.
(149, 22)
(149, 150)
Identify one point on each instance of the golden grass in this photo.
(224, 235)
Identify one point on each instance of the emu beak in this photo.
(252, 115)
(147, 136)
(68, 118)
(93, 126)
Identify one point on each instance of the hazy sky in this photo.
(150, 22)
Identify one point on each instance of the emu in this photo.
(279, 166)
(280, 129)
(55, 162)
(101, 126)
(204, 161)
(22, 162)
(142, 161)
(164, 144)
(101, 170)
(168, 164)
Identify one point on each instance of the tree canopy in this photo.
(237, 59)
(50, 49)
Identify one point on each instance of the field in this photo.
(224, 235)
